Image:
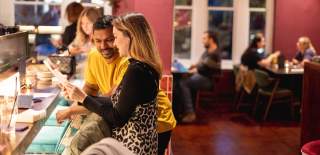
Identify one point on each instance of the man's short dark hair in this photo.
(213, 36)
(103, 22)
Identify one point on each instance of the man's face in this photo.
(206, 40)
(103, 40)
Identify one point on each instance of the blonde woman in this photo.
(131, 110)
(82, 41)
(305, 51)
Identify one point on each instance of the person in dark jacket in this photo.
(202, 72)
(73, 12)
(253, 58)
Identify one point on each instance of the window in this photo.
(221, 22)
(182, 29)
(44, 12)
(234, 22)
(257, 17)
(220, 3)
(37, 12)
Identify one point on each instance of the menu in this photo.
(55, 71)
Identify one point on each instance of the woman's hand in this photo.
(276, 54)
(295, 61)
(62, 115)
(74, 49)
(64, 92)
(74, 93)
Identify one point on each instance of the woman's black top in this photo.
(69, 34)
(139, 85)
(251, 58)
(131, 110)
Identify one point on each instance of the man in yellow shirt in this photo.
(105, 70)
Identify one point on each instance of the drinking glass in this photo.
(9, 112)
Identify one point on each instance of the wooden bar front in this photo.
(310, 121)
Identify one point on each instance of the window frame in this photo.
(8, 15)
(241, 26)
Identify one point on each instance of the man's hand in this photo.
(192, 67)
(63, 115)
(74, 50)
(193, 70)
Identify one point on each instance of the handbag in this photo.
(65, 64)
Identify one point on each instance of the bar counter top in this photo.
(21, 140)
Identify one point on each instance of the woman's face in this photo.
(300, 45)
(262, 43)
(121, 42)
(86, 25)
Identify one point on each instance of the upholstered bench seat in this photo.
(311, 148)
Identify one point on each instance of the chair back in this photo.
(166, 85)
(236, 69)
(262, 78)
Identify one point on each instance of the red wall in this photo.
(295, 18)
(159, 13)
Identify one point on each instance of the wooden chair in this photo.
(166, 85)
(208, 94)
(245, 86)
(238, 93)
(269, 87)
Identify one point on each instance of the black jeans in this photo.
(163, 140)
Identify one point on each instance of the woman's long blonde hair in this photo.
(92, 14)
(306, 43)
(142, 43)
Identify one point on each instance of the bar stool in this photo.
(311, 148)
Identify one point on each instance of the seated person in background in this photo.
(305, 51)
(202, 72)
(81, 45)
(73, 12)
(252, 57)
(82, 42)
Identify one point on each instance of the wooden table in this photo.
(290, 78)
(284, 72)
(23, 139)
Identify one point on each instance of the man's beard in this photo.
(108, 53)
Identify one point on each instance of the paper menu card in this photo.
(61, 78)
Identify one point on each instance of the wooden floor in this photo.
(219, 131)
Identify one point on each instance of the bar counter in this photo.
(20, 141)
(23, 139)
